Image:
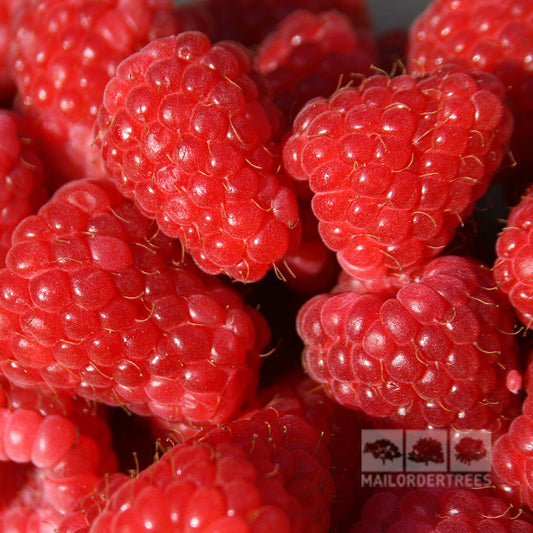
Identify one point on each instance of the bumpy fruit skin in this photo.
(96, 301)
(263, 474)
(513, 268)
(22, 189)
(311, 55)
(297, 394)
(52, 453)
(439, 511)
(187, 130)
(489, 35)
(250, 22)
(484, 34)
(397, 163)
(436, 354)
(63, 53)
(511, 459)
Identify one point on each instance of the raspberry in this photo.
(437, 354)
(51, 455)
(22, 189)
(63, 54)
(439, 511)
(250, 22)
(513, 268)
(397, 163)
(487, 35)
(95, 301)
(512, 459)
(186, 129)
(297, 394)
(311, 55)
(267, 473)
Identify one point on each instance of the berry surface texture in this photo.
(266, 266)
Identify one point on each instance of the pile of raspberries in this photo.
(236, 236)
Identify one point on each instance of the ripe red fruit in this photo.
(311, 55)
(63, 53)
(436, 354)
(439, 511)
(186, 129)
(22, 189)
(488, 35)
(297, 394)
(52, 454)
(267, 473)
(397, 163)
(512, 459)
(513, 268)
(94, 300)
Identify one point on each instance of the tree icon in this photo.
(469, 450)
(383, 449)
(426, 450)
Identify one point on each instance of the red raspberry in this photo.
(489, 35)
(296, 393)
(397, 163)
(186, 130)
(52, 454)
(250, 22)
(513, 268)
(22, 189)
(63, 54)
(311, 55)
(512, 459)
(268, 473)
(437, 354)
(439, 511)
(95, 301)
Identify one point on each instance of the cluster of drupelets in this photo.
(234, 236)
